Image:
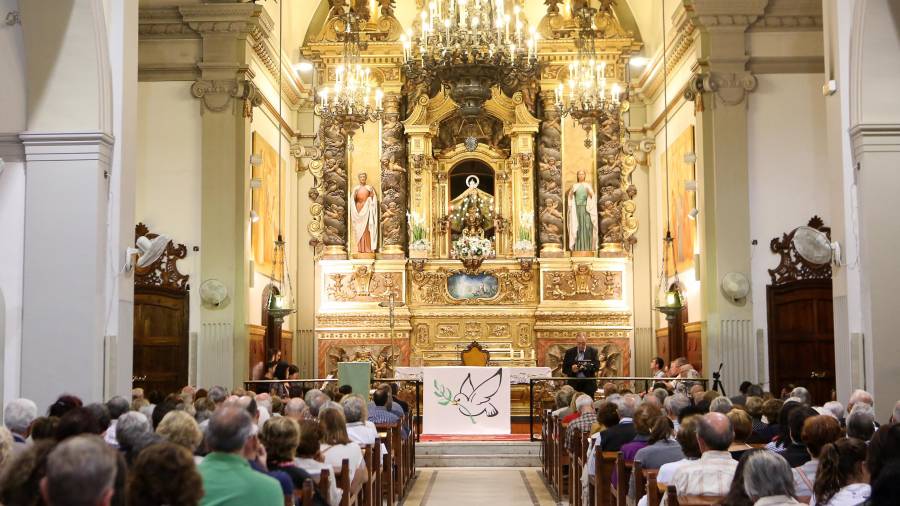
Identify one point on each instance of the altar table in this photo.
(468, 400)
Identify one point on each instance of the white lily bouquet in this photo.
(418, 233)
(469, 246)
(524, 242)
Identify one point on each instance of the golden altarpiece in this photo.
(423, 161)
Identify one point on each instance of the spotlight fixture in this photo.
(255, 183)
(639, 61)
(254, 217)
(690, 186)
(255, 160)
(303, 66)
(693, 213)
(690, 158)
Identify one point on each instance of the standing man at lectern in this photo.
(581, 363)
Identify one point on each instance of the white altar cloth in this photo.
(517, 375)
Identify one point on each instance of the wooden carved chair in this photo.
(474, 355)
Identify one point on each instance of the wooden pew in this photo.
(603, 466)
(673, 499)
(368, 488)
(395, 448)
(387, 473)
(562, 460)
(640, 481)
(348, 497)
(545, 444)
(619, 491)
(653, 492)
(325, 484)
(305, 494)
(574, 451)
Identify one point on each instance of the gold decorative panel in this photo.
(582, 283)
(362, 285)
(515, 287)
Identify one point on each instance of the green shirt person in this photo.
(228, 478)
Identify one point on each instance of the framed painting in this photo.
(681, 201)
(268, 203)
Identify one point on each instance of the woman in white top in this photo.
(336, 445)
(359, 428)
(309, 458)
(842, 479)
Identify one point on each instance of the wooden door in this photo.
(801, 337)
(160, 340)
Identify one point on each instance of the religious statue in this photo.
(473, 223)
(582, 215)
(364, 215)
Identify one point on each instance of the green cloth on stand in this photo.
(357, 375)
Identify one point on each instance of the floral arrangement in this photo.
(524, 242)
(473, 247)
(418, 233)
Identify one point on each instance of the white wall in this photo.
(12, 78)
(12, 230)
(787, 169)
(168, 172)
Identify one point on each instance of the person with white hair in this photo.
(835, 409)
(802, 395)
(895, 416)
(613, 438)
(860, 396)
(720, 404)
(674, 405)
(296, 409)
(18, 416)
(584, 405)
(768, 480)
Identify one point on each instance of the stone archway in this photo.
(875, 140)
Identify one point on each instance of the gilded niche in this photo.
(583, 283)
(363, 285)
(513, 287)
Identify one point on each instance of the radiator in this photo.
(736, 347)
(215, 355)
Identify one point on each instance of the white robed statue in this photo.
(364, 215)
(582, 216)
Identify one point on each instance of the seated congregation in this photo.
(689, 446)
(322, 447)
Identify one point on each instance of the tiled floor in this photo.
(479, 486)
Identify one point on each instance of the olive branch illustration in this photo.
(445, 397)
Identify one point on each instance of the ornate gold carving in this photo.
(499, 329)
(364, 285)
(524, 335)
(473, 330)
(583, 283)
(162, 273)
(515, 287)
(422, 333)
(448, 330)
(378, 355)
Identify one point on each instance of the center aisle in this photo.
(479, 485)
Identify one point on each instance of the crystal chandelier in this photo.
(468, 47)
(586, 97)
(349, 101)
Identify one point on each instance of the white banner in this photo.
(466, 400)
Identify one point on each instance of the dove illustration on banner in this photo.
(473, 401)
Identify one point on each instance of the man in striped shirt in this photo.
(713, 472)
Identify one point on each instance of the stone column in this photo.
(335, 198)
(226, 98)
(550, 190)
(393, 180)
(724, 83)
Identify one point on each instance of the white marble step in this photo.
(478, 454)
